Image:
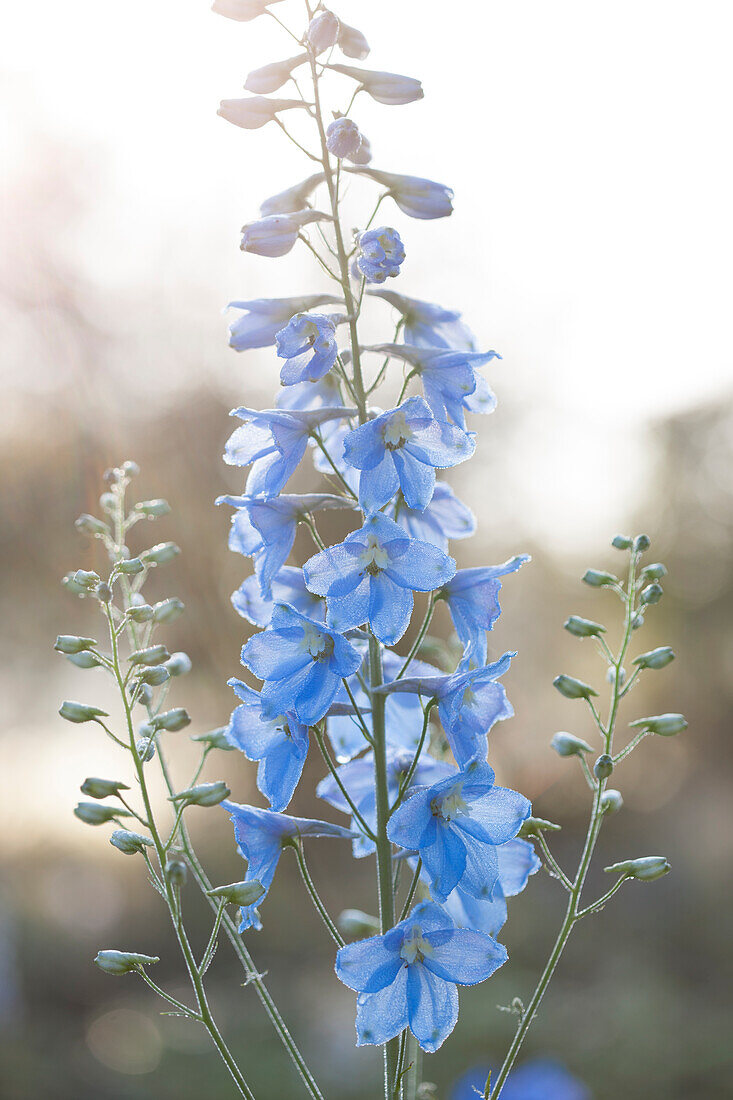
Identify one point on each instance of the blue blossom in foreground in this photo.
(255, 111)
(540, 1079)
(470, 701)
(271, 77)
(265, 529)
(358, 778)
(343, 138)
(285, 202)
(272, 442)
(276, 234)
(429, 326)
(242, 10)
(287, 586)
(279, 743)
(381, 254)
(415, 196)
(264, 317)
(456, 826)
(473, 601)
(389, 88)
(261, 836)
(401, 449)
(372, 574)
(408, 976)
(446, 517)
(308, 346)
(325, 393)
(301, 663)
(517, 861)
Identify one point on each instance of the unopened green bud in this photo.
(108, 503)
(92, 813)
(652, 594)
(203, 794)
(130, 567)
(653, 572)
(583, 628)
(611, 801)
(145, 749)
(152, 655)
(176, 872)
(154, 675)
(103, 592)
(642, 543)
(80, 712)
(655, 658)
(130, 468)
(69, 643)
(178, 664)
(357, 925)
(621, 542)
(572, 688)
(84, 659)
(102, 788)
(603, 766)
(168, 610)
(160, 554)
(666, 725)
(90, 525)
(647, 868)
(172, 720)
(566, 744)
(129, 843)
(239, 893)
(140, 613)
(215, 738)
(599, 578)
(153, 508)
(86, 579)
(123, 962)
(533, 826)
(73, 586)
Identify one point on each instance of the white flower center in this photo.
(396, 432)
(318, 645)
(414, 947)
(373, 558)
(451, 805)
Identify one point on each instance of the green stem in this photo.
(339, 783)
(420, 637)
(408, 776)
(555, 869)
(315, 897)
(412, 890)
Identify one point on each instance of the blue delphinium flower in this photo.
(446, 517)
(288, 586)
(427, 325)
(408, 976)
(358, 778)
(372, 574)
(416, 197)
(517, 861)
(456, 826)
(343, 138)
(401, 449)
(301, 663)
(540, 1079)
(381, 254)
(265, 529)
(261, 836)
(276, 234)
(272, 442)
(308, 346)
(472, 596)
(279, 743)
(264, 317)
(469, 700)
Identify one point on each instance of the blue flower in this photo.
(256, 111)
(358, 778)
(301, 663)
(279, 743)
(427, 325)
(381, 254)
(540, 1079)
(308, 346)
(469, 703)
(285, 202)
(456, 826)
(408, 976)
(389, 88)
(265, 529)
(264, 317)
(416, 197)
(325, 393)
(288, 586)
(517, 861)
(343, 138)
(261, 836)
(446, 517)
(273, 441)
(473, 601)
(371, 576)
(401, 449)
(276, 234)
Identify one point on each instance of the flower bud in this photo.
(603, 766)
(123, 962)
(86, 579)
(90, 525)
(141, 613)
(363, 154)
(572, 688)
(176, 872)
(167, 610)
(129, 843)
(178, 664)
(203, 794)
(102, 788)
(652, 594)
(323, 31)
(70, 643)
(357, 925)
(653, 572)
(80, 712)
(239, 893)
(154, 676)
(172, 720)
(352, 42)
(91, 813)
(255, 111)
(271, 77)
(611, 801)
(621, 542)
(130, 468)
(392, 89)
(103, 592)
(655, 658)
(160, 554)
(666, 725)
(646, 869)
(566, 744)
(533, 826)
(583, 628)
(130, 567)
(108, 503)
(343, 138)
(642, 543)
(153, 508)
(216, 739)
(145, 749)
(151, 655)
(599, 578)
(84, 660)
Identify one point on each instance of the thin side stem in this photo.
(315, 897)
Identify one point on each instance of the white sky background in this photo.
(588, 145)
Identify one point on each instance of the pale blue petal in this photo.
(432, 1007)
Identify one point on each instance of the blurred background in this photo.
(590, 245)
